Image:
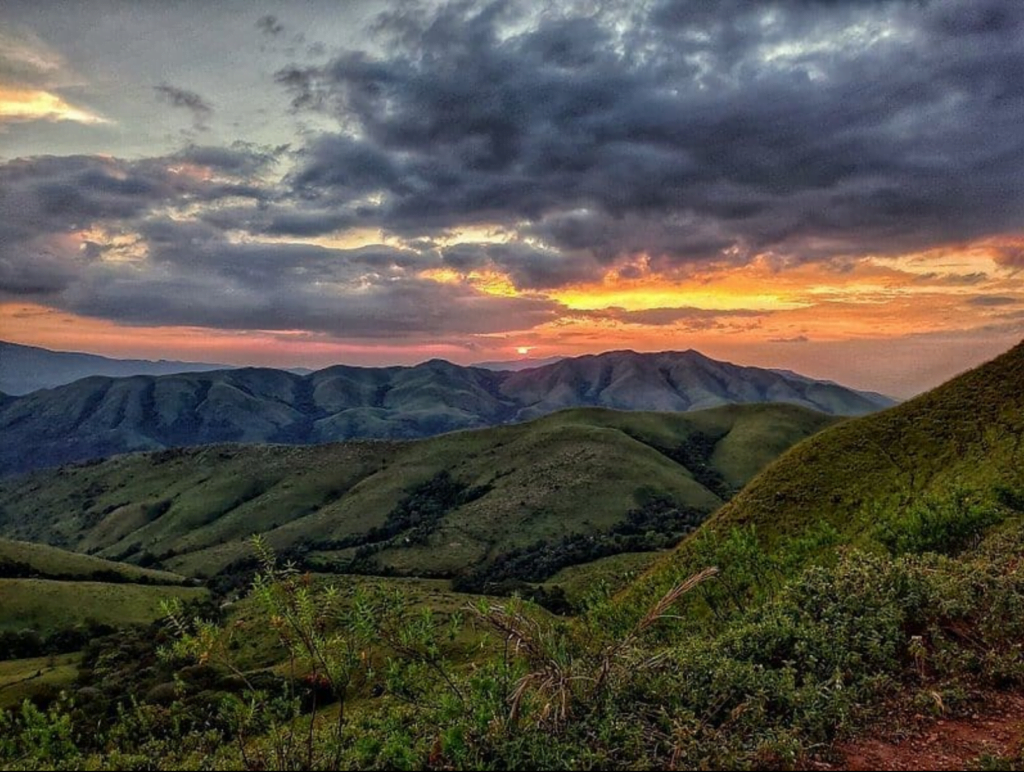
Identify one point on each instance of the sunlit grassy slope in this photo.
(23, 679)
(577, 471)
(25, 560)
(46, 589)
(966, 436)
(47, 605)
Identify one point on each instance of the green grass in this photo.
(577, 471)
(963, 440)
(24, 679)
(966, 434)
(45, 562)
(256, 646)
(872, 573)
(47, 606)
(608, 574)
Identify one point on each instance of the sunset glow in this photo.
(28, 105)
(280, 205)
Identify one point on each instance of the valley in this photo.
(439, 507)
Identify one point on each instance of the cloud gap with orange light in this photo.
(777, 183)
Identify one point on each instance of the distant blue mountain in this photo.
(25, 369)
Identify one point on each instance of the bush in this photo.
(791, 663)
(946, 526)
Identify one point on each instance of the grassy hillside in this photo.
(46, 605)
(967, 434)
(941, 457)
(780, 684)
(23, 679)
(54, 601)
(882, 584)
(97, 416)
(25, 560)
(441, 507)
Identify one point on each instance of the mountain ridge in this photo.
(100, 416)
(24, 369)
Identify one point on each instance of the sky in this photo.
(835, 188)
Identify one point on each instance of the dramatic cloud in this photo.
(579, 176)
(527, 267)
(689, 318)
(806, 128)
(195, 277)
(368, 293)
(81, 234)
(49, 206)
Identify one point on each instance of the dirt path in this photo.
(944, 744)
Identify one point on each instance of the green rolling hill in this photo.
(532, 497)
(46, 589)
(48, 606)
(26, 560)
(961, 441)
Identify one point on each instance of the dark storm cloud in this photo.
(45, 200)
(282, 220)
(240, 158)
(201, 110)
(810, 128)
(183, 271)
(529, 268)
(591, 136)
(404, 307)
(196, 277)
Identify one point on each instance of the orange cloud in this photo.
(961, 293)
(20, 104)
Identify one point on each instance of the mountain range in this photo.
(98, 416)
(525, 363)
(24, 369)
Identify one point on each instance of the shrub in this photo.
(946, 526)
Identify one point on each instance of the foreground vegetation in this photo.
(783, 660)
